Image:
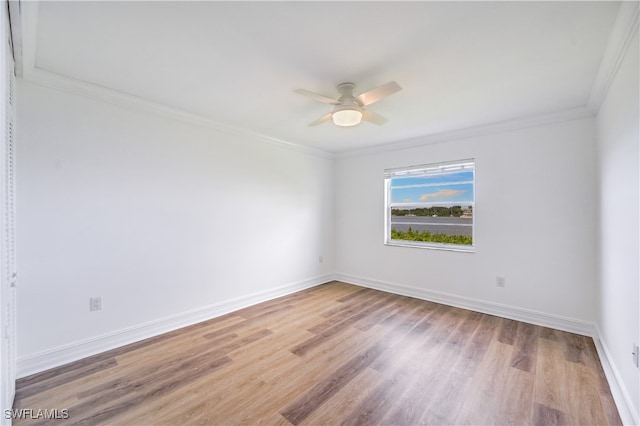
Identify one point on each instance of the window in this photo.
(431, 206)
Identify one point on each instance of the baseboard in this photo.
(72, 352)
(628, 414)
(525, 315)
(61, 355)
(620, 394)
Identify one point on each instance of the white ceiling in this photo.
(461, 64)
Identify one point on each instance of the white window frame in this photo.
(422, 170)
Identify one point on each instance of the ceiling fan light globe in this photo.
(347, 117)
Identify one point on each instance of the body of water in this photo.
(435, 225)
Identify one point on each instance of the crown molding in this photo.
(28, 28)
(622, 34)
(481, 130)
(124, 100)
(89, 90)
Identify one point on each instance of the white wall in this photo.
(618, 162)
(157, 216)
(535, 220)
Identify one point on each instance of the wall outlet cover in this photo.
(95, 303)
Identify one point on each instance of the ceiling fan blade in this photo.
(320, 120)
(373, 117)
(374, 95)
(317, 97)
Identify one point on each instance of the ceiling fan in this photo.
(350, 109)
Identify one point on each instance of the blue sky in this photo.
(447, 188)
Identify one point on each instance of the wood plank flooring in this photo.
(335, 354)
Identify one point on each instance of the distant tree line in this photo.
(454, 211)
(426, 236)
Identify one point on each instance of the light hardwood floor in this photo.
(336, 354)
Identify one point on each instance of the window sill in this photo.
(445, 247)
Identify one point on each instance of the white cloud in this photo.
(442, 194)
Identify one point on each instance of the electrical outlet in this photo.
(95, 303)
(320, 259)
(636, 354)
(500, 281)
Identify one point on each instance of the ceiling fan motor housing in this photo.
(347, 94)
